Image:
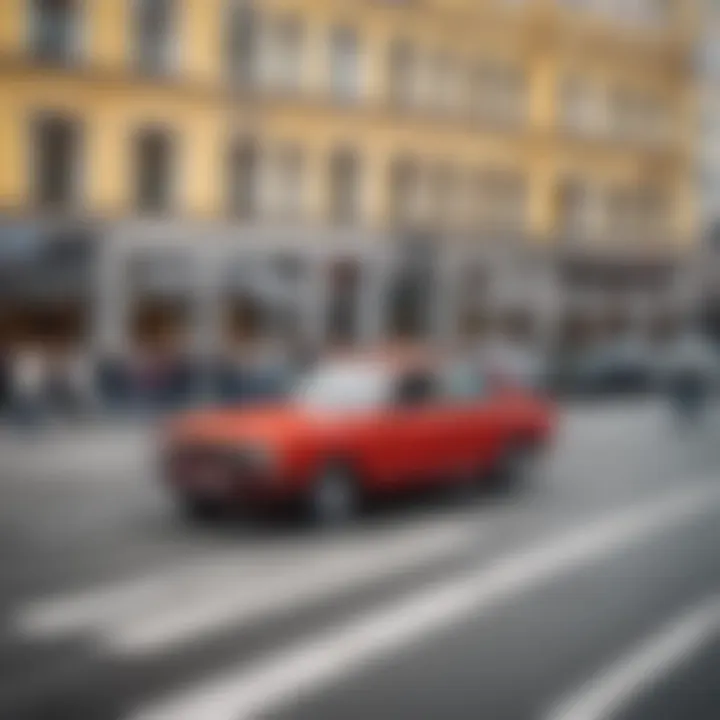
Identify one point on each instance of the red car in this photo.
(354, 428)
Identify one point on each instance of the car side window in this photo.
(415, 389)
(463, 383)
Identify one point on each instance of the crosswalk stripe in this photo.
(249, 691)
(149, 614)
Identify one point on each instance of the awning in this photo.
(37, 264)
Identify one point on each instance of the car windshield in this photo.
(347, 387)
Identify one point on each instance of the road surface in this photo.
(593, 593)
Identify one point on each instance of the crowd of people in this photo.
(39, 381)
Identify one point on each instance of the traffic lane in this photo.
(62, 529)
(691, 691)
(103, 665)
(519, 659)
(144, 649)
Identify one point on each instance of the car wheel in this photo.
(333, 499)
(199, 509)
(515, 467)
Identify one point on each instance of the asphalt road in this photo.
(593, 593)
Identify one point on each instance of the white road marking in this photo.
(611, 690)
(313, 580)
(307, 666)
(157, 612)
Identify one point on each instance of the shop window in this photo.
(343, 307)
(409, 304)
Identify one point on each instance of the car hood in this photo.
(274, 424)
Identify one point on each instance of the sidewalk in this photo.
(72, 450)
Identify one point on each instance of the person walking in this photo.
(29, 384)
(691, 371)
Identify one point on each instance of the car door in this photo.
(473, 424)
(480, 415)
(413, 427)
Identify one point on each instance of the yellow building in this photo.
(331, 128)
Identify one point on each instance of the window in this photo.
(462, 382)
(344, 65)
(573, 205)
(443, 81)
(244, 180)
(404, 192)
(499, 90)
(402, 73)
(287, 183)
(444, 182)
(579, 105)
(241, 43)
(416, 389)
(153, 168)
(500, 197)
(282, 54)
(57, 151)
(641, 13)
(347, 387)
(344, 187)
(154, 36)
(343, 298)
(54, 30)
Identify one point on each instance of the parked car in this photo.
(611, 370)
(354, 428)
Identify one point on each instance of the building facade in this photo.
(366, 168)
(708, 166)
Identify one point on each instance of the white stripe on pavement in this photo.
(310, 665)
(315, 579)
(157, 612)
(615, 688)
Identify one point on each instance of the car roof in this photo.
(394, 358)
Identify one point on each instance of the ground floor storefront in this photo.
(132, 291)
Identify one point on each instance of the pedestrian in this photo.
(29, 384)
(691, 372)
(5, 394)
(80, 380)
